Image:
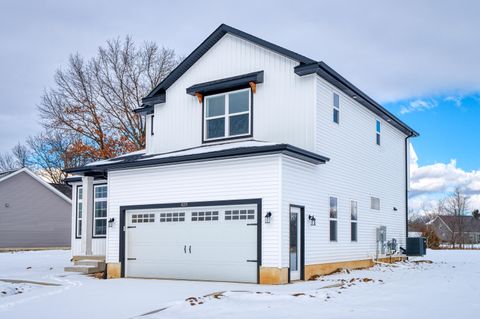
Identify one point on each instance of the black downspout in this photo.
(406, 187)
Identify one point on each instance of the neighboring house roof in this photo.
(469, 223)
(4, 174)
(306, 66)
(64, 189)
(201, 153)
(4, 177)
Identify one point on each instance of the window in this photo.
(241, 214)
(143, 218)
(377, 128)
(227, 115)
(353, 217)
(172, 217)
(333, 218)
(100, 210)
(375, 203)
(336, 108)
(152, 117)
(79, 211)
(204, 216)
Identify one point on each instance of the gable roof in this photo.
(306, 66)
(468, 223)
(11, 174)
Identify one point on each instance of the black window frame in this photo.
(236, 137)
(152, 117)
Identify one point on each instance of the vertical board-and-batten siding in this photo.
(282, 106)
(98, 244)
(32, 215)
(242, 178)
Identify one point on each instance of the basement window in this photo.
(333, 218)
(227, 115)
(100, 211)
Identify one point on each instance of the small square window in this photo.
(375, 203)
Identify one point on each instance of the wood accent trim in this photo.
(253, 86)
(313, 271)
(273, 275)
(113, 270)
(199, 97)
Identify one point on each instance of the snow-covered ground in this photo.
(447, 288)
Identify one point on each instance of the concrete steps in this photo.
(87, 264)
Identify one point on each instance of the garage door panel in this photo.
(204, 243)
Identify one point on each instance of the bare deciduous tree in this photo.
(52, 152)
(94, 99)
(17, 158)
(456, 205)
(7, 162)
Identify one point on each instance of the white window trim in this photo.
(378, 131)
(96, 200)
(78, 220)
(336, 107)
(227, 116)
(332, 219)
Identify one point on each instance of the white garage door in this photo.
(198, 243)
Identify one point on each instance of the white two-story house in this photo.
(261, 165)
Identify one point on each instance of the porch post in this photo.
(87, 215)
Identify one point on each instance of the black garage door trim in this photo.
(257, 201)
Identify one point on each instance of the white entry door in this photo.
(295, 250)
(199, 243)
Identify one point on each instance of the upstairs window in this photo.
(100, 210)
(333, 218)
(336, 108)
(377, 128)
(375, 203)
(227, 115)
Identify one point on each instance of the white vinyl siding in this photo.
(233, 179)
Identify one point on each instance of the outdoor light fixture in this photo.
(7, 205)
(395, 209)
(268, 217)
(110, 222)
(312, 220)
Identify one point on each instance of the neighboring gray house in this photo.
(33, 213)
(456, 229)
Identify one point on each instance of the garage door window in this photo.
(204, 216)
(143, 218)
(172, 217)
(241, 214)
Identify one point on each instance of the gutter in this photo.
(406, 185)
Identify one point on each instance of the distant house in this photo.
(33, 213)
(456, 229)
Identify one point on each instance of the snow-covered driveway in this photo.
(447, 288)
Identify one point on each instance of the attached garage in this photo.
(197, 241)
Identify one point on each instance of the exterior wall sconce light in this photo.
(268, 217)
(111, 221)
(7, 205)
(312, 219)
(395, 209)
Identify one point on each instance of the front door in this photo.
(295, 251)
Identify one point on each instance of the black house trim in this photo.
(227, 84)
(257, 201)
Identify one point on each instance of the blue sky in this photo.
(420, 59)
(449, 126)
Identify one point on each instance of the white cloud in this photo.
(418, 105)
(431, 182)
(456, 99)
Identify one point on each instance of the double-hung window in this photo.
(100, 210)
(377, 129)
(336, 108)
(353, 217)
(78, 229)
(333, 218)
(227, 115)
